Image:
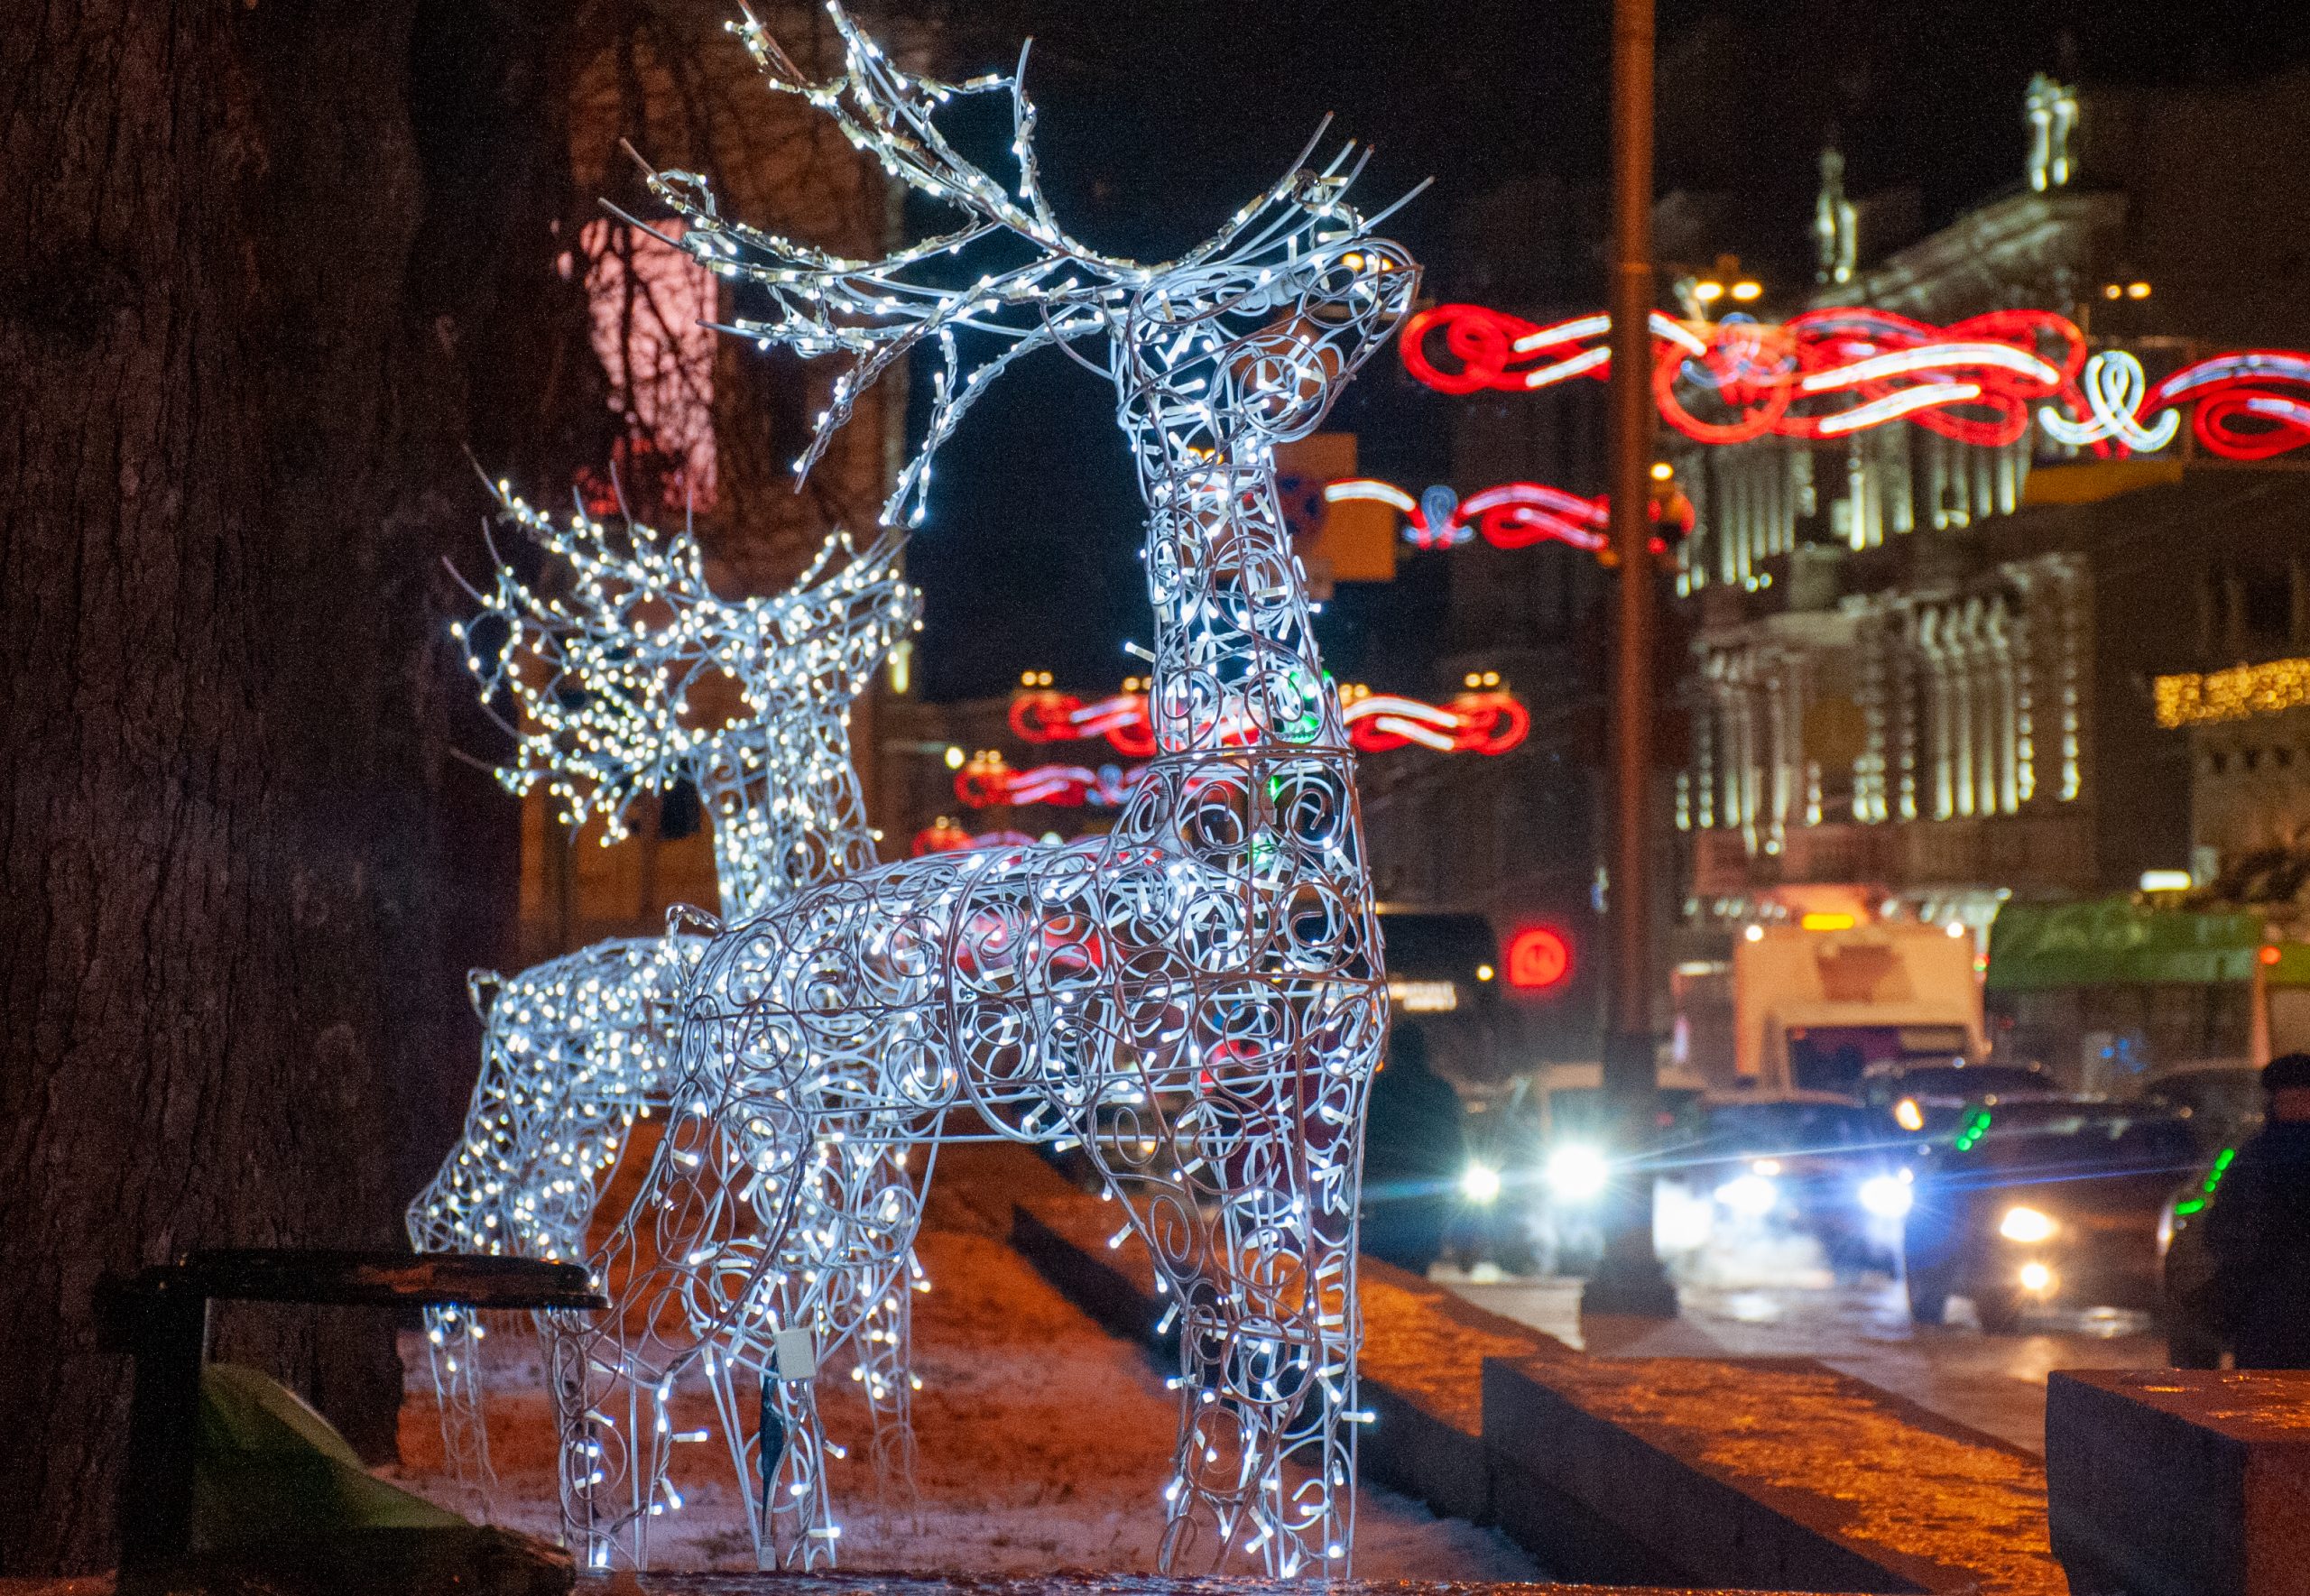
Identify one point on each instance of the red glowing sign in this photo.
(1831, 372)
(1539, 958)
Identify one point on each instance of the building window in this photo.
(649, 304)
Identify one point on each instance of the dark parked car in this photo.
(2222, 1097)
(2044, 1202)
(1812, 1162)
(1930, 1099)
(2194, 1338)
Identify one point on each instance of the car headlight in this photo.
(2036, 1276)
(1577, 1173)
(1752, 1195)
(1480, 1183)
(2025, 1224)
(1907, 1115)
(1888, 1197)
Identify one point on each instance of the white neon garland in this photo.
(2114, 386)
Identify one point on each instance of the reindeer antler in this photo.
(603, 674)
(877, 311)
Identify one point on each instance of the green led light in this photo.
(2213, 1176)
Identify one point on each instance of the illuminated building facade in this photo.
(1927, 675)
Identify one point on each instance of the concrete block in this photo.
(2180, 1482)
(1774, 1474)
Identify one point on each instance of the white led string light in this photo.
(1197, 999)
(578, 1048)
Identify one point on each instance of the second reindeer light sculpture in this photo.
(1197, 998)
(634, 677)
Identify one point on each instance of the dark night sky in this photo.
(1158, 116)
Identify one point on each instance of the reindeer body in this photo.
(578, 1048)
(1197, 998)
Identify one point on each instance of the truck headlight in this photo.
(1753, 1195)
(2026, 1225)
(1888, 1197)
(1577, 1173)
(1481, 1183)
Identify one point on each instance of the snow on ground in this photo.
(1044, 1441)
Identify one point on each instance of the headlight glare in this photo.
(1481, 1183)
(2026, 1225)
(1577, 1173)
(1885, 1195)
(1751, 1196)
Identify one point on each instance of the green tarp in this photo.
(2117, 941)
(270, 1470)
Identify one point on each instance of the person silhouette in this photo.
(1415, 1147)
(2257, 1229)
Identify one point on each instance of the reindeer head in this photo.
(640, 675)
(1259, 348)
(1290, 295)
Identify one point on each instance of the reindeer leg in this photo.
(887, 1333)
(876, 1285)
(453, 1347)
(1247, 1201)
(1163, 1170)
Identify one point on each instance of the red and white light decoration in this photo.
(942, 835)
(1486, 719)
(1507, 516)
(1831, 372)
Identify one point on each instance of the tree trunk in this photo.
(240, 877)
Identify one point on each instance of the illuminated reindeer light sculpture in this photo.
(577, 1049)
(1197, 998)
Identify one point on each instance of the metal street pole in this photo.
(1629, 1278)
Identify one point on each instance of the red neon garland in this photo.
(1509, 515)
(2250, 405)
(1485, 721)
(1830, 372)
(1489, 721)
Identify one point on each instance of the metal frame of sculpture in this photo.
(1197, 999)
(578, 1048)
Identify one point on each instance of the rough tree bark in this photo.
(247, 316)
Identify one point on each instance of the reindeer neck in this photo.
(792, 818)
(1236, 657)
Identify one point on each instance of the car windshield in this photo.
(1579, 1111)
(1957, 1083)
(2232, 1096)
(1785, 1127)
(2078, 1137)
